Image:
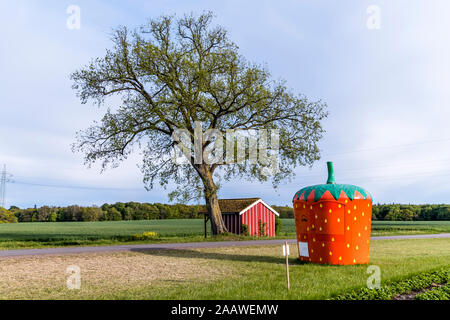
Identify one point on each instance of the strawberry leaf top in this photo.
(351, 191)
(334, 189)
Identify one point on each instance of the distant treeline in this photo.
(147, 211)
(411, 212)
(108, 212)
(395, 212)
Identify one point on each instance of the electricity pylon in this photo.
(4, 180)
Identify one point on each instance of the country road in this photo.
(168, 246)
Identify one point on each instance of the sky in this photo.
(382, 67)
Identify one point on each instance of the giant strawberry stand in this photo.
(333, 223)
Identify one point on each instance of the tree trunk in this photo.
(212, 202)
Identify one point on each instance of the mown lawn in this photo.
(220, 273)
(37, 235)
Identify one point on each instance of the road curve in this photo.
(168, 246)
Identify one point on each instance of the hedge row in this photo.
(440, 293)
(387, 292)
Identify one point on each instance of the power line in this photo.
(387, 147)
(4, 179)
(59, 186)
(350, 172)
(347, 174)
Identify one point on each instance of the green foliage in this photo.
(70, 213)
(173, 74)
(394, 212)
(278, 225)
(244, 230)
(410, 212)
(174, 68)
(440, 293)
(262, 227)
(24, 215)
(109, 212)
(147, 211)
(53, 217)
(286, 212)
(7, 216)
(44, 214)
(397, 214)
(145, 236)
(389, 291)
(91, 214)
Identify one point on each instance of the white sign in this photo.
(303, 249)
(284, 250)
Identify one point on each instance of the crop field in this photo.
(381, 228)
(96, 230)
(37, 234)
(256, 272)
(44, 234)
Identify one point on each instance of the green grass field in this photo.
(256, 272)
(35, 235)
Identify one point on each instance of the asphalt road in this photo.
(166, 246)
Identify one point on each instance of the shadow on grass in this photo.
(193, 254)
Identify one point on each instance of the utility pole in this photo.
(4, 180)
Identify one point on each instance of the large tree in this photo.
(174, 73)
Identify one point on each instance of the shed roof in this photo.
(234, 205)
(239, 205)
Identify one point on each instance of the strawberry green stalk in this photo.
(330, 173)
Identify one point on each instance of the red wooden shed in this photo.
(251, 212)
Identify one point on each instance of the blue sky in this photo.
(387, 91)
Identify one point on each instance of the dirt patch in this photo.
(45, 277)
